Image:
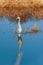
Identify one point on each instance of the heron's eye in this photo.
(17, 20)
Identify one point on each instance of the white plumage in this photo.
(19, 30)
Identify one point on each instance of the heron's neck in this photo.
(19, 21)
(19, 25)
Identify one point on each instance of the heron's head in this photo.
(18, 18)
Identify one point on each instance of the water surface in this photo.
(32, 47)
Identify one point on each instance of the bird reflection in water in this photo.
(19, 45)
(19, 56)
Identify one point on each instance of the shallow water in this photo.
(32, 47)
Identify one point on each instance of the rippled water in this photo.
(32, 48)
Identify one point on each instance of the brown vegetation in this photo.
(35, 29)
(25, 10)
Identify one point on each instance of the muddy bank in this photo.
(26, 10)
